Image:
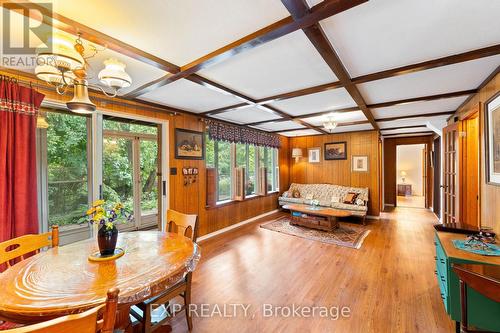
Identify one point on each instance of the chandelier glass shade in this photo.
(330, 124)
(65, 66)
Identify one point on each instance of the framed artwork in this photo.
(359, 163)
(314, 155)
(189, 144)
(336, 151)
(492, 138)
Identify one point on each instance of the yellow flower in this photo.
(118, 206)
(99, 210)
(98, 203)
(90, 211)
(97, 217)
(109, 225)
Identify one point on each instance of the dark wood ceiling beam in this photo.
(227, 108)
(407, 134)
(427, 115)
(422, 66)
(274, 31)
(402, 127)
(299, 9)
(423, 98)
(322, 129)
(72, 27)
(301, 92)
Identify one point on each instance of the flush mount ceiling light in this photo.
(66, 66)
(330, 124)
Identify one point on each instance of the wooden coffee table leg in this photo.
(334, 223)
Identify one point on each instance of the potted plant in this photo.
(106, 216)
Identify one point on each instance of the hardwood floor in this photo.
(416, 201)
(388, 284)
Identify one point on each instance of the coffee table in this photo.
(321, 218)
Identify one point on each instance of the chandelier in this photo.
(330, 124)
(65, 66)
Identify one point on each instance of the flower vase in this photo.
(106, 239)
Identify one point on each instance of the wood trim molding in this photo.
(423, 98)
(425, 65)
(435, 114)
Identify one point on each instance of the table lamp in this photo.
(403, 175)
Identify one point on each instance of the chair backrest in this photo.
(85, 322)
(184, 224)
(19, 247)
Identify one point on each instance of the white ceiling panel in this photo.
(280, 126)
(304, 132)
(340, 117)
(246, 115)
(287, 64)
(408, 109)
(352, 128)
(406, 130)
(410, 122)
(463, 76)
(383, 34)
(179, 31)
(323, 101)
(186, 95)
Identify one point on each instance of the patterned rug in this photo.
(345, 235)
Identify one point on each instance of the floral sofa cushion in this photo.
(324, 194)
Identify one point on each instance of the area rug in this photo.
(345, 235)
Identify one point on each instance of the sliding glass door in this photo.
(130, 171)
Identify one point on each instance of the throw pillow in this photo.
(285, 194)
(296, 194)
(350, 198)
(309, 197)
(335, 199)
(360, 202)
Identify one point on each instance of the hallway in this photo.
(414, 201)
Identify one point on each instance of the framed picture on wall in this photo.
(314, 155)
(359, 163)
(492, 139)
(188, 144)
(336, 151)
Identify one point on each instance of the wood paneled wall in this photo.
(339, 172)
(191, 198)
(390, 167)
(490, 194)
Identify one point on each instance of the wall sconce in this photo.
(297, 153)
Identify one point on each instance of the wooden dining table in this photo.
(63, 281)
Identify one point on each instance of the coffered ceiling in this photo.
(287, 66)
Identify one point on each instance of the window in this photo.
(245, 157)
(225, 156)
(64, 145)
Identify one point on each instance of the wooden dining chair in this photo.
(85, 322)
(186, 225)
(17, 249)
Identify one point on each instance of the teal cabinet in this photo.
(483, 312)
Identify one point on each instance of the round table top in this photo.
(62, 280)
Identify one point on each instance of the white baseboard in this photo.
(234, 226)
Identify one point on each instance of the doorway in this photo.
(130, 170)
(411, 175)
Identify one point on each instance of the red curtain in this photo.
(18, 188)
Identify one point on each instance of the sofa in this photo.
(328, 195)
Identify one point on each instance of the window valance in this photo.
(233, 133)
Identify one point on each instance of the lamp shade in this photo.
(81, 102)
(403, 173)
(297, 152)
(62, 55)
(114, 75)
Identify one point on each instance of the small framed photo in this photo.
(492, 139)
(188, 144)
(336, 151)
(314, 155)
(359, 163)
